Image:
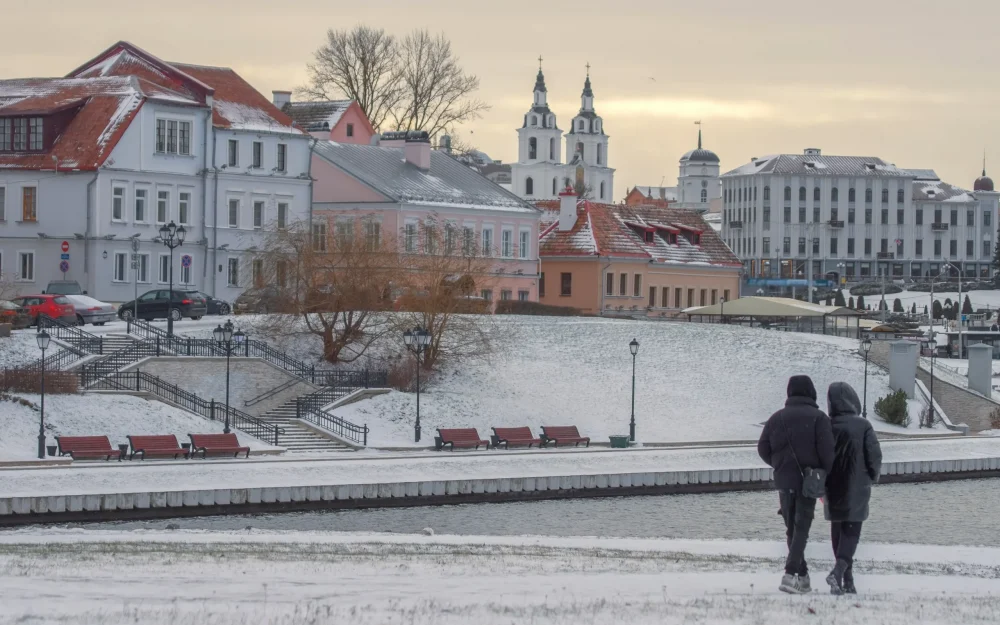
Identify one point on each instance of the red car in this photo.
(52, 306)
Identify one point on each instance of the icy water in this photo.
(941, 513)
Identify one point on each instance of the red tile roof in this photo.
(237, 104)
(614, 230)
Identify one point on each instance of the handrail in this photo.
(74, 336)
(56, 360)
(310, 408)
(271, 393)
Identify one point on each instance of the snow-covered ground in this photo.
(979, 299)
(53, 576)
(115, 416)
(20, 348)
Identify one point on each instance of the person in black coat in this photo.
(794, 438)
(856, 466)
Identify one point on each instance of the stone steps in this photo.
(298, 438)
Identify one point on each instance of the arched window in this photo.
(704, 196)
(885, 196)
(868, 195)
(850, 194)
(529, 186)
(579, 148)
(835, 194)
(754, 191)
(532, 148)
(815, 194)
(552, 149)
(802, 194)
(552, 121)
(788, 194)
(579, 125)
(767, 193)
(555, 186)
(899, 196)
(600, 154)
(534, 120)
(602, 190)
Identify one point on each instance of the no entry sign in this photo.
(65, 246)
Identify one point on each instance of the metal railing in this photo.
(310, 407)
(271, 393)
(55, 361)
(71, 335)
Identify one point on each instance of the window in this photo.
(802, 214)
(690, 297)
(623, 284)
(802, 246)
(850, 215)
(986, 249)
(185, 275)
(788, 194)
(766, 246)
(505, 294)
(282, 215)
(899, 216)
(885, 216)
(345, 233)
(816, 215)
(532, 148)
(552, 153)
(833, 213)
(788, 215)
(665, 297)
(282, 157)
(534, 120)
(258, 214)
(885, 196)
(507, 243)
(850, 246)
(183, 208)
(162, 206)
(918, 248)
(234, 213)
(815, 246)
(600, 154)
(815, 194)
(529, 186)
(937, 216)
(524, 245)
(35, 141)
(802, 194)
(3, 207)
(609, 284)
(834, 194)
(120, 267)
(234, 153)
(117, 203)
(487, 294)
(970, 249)
(26, 266)
(919, 219)
(883, 246)
(579, 125)
(767, 218)
(171, 136)
(142, 268)
(953, 248)
(257, 272)
(868, 247)
(786, 246)
(5, 127)
(281, 273)
(868, 195)
(954, 216)
(350, 130)
(937, 247)
(900, 246)
(319, 237)
(541, 284)
(833, 245)
(140, 205)
(233, 276)
(702, 299)
(637, 285)
(258, 155)
(565, 284)
(161, 136)
(677, 297)
(986, 214)
(767, 196)
(488, 249)
(184, 139)
(163, 274)
(410, 237)
(373, 234)
(703, 194)
(970, 218)
(868, 216)
(715, 297)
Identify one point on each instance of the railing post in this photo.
(366, 385)
(136, 380)
(246, 353)
(211, 408)
(157, 346)
(366, 435)
(314, 374)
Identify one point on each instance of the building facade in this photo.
(856, 217)
(342, 121)
(540, 173)
(698, 185)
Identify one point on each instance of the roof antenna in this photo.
(698, 124)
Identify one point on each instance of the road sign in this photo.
(65, 246)
(185, 261)
(64, 256)
(64, 266)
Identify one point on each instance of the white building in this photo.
(539, 173)
(698, 184)
(126, 143)
(855, 216)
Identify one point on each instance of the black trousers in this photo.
(798, 512)
(845, 537)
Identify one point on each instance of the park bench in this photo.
(161, 446)
(563, 434)
(217, 445)
(87, 447)
(514, 436)
(459, 437)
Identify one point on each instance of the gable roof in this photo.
(447, 183)
(126, 59)
(317, 115)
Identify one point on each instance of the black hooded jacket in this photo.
(800, 425)
(858, 458)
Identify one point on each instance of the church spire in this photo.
(540, 78)
(587, 97)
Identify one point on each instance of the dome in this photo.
(983, 183)
(701, 155)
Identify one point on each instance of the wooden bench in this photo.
(160, 446)
(514, 436)
(459, 437)
(563, 434)
(87, 447)
(217, 445)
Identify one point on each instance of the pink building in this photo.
(342, 121)
(401, 185)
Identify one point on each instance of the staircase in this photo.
(296, 437)
(115, 342)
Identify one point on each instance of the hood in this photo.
(801, 386)
(842, 400)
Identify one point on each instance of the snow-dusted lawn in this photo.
(694, 382)
(180, 578)
(979, 299)
(21, 348)
(115, 416)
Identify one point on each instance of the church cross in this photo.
(588, 69)
(539, 62)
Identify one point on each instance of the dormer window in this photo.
(173, 137)
(649, 236)
(22, 134)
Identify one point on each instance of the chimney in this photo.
(444, 144)
(281, 98)
(417, 149)
(813, 152)
(567, 209)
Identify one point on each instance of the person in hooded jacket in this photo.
(856, 466)
(797, 437)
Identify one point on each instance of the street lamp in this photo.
(417, 340)
(173, 237)
(958, 316)
(224, 335)
(866, 346)
(634, 348)
(932, 344)
(722, 310)
(43, 339)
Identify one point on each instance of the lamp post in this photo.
(932, 344)
(634, 348)
(43, 339)
(866, 346)
(173, 237)
(722, 311)
(224, 335)
(417, 340)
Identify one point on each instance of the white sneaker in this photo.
(795, 585)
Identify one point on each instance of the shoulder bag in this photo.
(813, 480)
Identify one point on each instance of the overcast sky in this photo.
(911, 81)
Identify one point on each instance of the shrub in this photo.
(30, 381)
(897, 305)
(850, 303)
(875, 288)
(402, 374)
(861, 302)
(838, 300)
(892, 409)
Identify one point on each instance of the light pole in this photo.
(417, 340)
(173, 237)
(224, 335)
(932, 344)
(958, 316)
(866, 346)
(43, 339)
(722, 313)
(634, 348)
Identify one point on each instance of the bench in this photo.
(87, 447)
(514, 436)
(217, 445)
(459, 437)
(161, 446)
(563, 434)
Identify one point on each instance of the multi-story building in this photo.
(856, 217)
(126, 143)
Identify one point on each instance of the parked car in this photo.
(215, 305)
(90, 310)
(160, 303)
(64, 287)
(48, 305)
(266, 299)
(15, 315)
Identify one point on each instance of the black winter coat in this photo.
(804, 425)
(857, 461)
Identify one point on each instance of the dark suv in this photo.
(159, 304)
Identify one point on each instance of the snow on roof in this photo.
(770, 307)
(816, 164)
(315, 115)
(938, 191)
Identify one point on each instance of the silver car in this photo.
(90, 310)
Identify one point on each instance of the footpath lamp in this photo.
(932, 345)
(634, 348)
(172, 237)
(43, 339)
(416, 341)
(224, 336)
(866, 346)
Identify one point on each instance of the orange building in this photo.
(651, 260)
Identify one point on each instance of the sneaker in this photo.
(836, 578)
(849, 584)
(804, 585)
(795, 584)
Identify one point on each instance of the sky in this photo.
(911, 81)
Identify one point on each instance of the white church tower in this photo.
(698, 183)
(587, 148)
